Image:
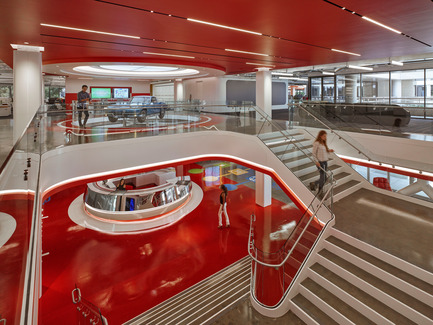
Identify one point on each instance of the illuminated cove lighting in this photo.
(142, 71)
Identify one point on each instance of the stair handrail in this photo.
(290, 139)
(300, 105)
(313, 215)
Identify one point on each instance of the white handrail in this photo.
(296, 242)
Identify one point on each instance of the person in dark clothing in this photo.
(223, 207)
(121, 186)
(83, 99)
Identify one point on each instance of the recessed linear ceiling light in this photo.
(282, 74)
(253, 53)
(223, 26)
(90, 31)
(328, 73)
(381, 25)
(300, 79)
(396, 63)
(260, 64)
(360, 68)
(175, 55)
(351, 53)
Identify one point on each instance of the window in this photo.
(375, 87)
(316, 89)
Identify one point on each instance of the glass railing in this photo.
(53, 128)
(273, 273)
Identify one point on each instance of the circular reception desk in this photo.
(146, 196)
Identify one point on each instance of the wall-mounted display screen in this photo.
(97, 93)
(121, 92)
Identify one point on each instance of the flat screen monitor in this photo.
(121, 92)
(97, 93)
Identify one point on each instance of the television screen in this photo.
(100, 93)
(121, 92)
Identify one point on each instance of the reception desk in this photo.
(148, 195)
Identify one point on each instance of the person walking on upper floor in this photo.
(83, 99)
(321, 157)
(223, 207)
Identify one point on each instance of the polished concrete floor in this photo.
(244, 313)
(398, 227)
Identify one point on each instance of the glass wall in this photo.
(348, 88)
(429, 92)
(375, 87)
(407, 88)
(328, 89)
(316, 88)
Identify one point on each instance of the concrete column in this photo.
(178, 91)
(264, 90)
(263, 189)
(350, 89)
(28, 86)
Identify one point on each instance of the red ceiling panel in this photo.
(315, 22)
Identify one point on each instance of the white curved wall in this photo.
(98, 159)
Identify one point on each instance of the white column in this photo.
(263, 189)
(28, 86)
(178, 91)
(264, 90)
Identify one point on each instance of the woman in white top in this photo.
(321, 157)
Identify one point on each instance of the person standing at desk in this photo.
(83, 99)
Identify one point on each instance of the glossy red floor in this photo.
(125, 275)
(12, 256)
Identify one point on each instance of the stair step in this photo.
(316, 173)
(422, 285)
(303, 166)
(291, 149)
(283, 141)
(336, 303)
(340, 175)
(314, 312)
(361, 296)
(343, 187)
(276, 135)
(203, 301)
(380, 284)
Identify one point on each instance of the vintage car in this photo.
(138, 107)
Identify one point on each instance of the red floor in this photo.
(12, 256)
(125, 275)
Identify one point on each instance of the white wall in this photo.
(163, 92)
(74, 85)
(212, 89)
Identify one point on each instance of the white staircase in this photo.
(362, 285)
(295, 152)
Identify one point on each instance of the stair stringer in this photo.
(285, 304)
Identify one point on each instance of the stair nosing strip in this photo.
(297, 310)
(386, 299)
(242, 283)
(243, 261)
(384, 275)
(308, 294)
(349, 297)
(210, 293)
